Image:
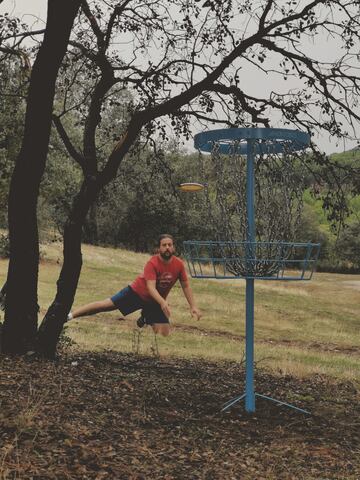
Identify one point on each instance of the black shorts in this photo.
(127, 301)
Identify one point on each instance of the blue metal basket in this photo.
(250, 259)
(256, 260)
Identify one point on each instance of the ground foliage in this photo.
(124, 416)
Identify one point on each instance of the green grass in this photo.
(301, 328)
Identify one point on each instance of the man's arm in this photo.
(151, 286)
(195, 312)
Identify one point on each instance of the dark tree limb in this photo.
(77, 156)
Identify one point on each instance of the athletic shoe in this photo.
(141, 321)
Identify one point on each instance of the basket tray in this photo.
(256, 260)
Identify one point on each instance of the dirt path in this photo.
(354, 284)
(324, 347)
(124, 417)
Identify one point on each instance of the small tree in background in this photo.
(13, 88)
(348, 245)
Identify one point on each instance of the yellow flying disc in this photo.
(191, 187)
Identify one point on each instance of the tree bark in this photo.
(21, 307)
(91, 226)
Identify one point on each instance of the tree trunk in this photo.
(53, 322)
(21, 308)
(91, 227)
(52, 325)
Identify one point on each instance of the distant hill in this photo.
(349, 156)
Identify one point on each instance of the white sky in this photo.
(33, 11)
(27, 9)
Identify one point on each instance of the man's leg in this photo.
(93, 308)
(126, 301)
(155, 317)
(161, 328)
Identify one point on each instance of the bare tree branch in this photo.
(77, 156)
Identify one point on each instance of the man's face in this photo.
(166, 248)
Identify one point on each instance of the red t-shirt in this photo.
(165, 274)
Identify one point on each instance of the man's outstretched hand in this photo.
(195, 312)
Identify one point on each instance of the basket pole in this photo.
(249, 347)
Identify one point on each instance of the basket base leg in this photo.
(238, 398)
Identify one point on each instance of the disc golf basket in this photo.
(250, 256)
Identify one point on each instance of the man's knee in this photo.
(107, 305)
(162, 329)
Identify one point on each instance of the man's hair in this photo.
(165, 235)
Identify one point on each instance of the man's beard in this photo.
(166, 255)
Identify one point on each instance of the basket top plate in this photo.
(234, 140)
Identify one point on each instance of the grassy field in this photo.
(301, 328)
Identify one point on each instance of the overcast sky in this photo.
(26, 8)
(33, 11)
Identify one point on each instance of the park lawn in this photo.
(301, 328)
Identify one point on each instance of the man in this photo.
(149, 291)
